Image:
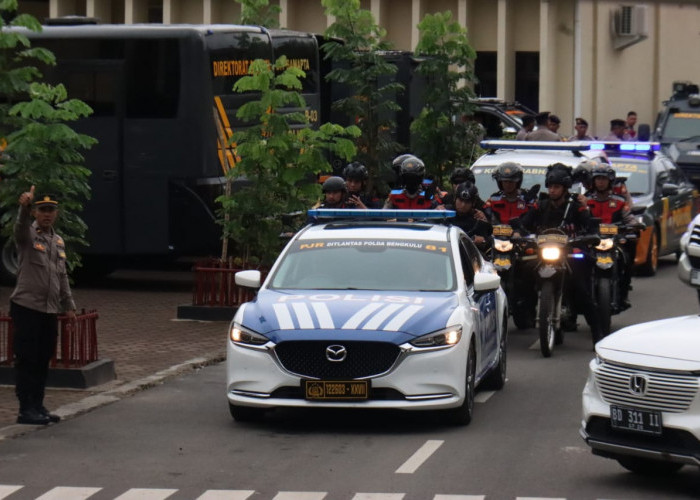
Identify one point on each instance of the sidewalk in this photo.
(137, 328)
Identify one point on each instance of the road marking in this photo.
(226, 495)
(300, 495)
(378, 496)
(145, 494)
(411, 465)
(539, 498)
(459, 497)
(482, 397)
(7, 489)
(68, 493)
(536, 345)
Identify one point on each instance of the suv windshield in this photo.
(636, 173)
(682, 125)
(366, 264)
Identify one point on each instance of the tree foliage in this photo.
(259, 13)
(356, 48)
(42, 150)
(441, 137)
(280, 158)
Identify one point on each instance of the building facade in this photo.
(593, 58)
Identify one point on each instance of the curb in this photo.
(125, 390)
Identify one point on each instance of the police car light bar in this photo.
(627, 146)
(537, 145)
(351, 213)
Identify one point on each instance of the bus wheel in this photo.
(9, 263)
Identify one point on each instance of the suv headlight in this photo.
(551, 253)
(605, 244)
(241, 335)
(503, 245)
(442, 338)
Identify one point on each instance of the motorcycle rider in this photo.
(563, 210)
(612, 209)
(478, 230)
(335, 193)
(457, 177)
(510, 201)
(410, 195)
(356, 176)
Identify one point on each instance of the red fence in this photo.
(215, 285)
(77, 342)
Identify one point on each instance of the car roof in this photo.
(381, 230)
(535, 158)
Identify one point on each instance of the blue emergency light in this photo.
(627, 147)
(351, 213)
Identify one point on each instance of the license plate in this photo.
(501, 261)
(336, 389)
(695, 277)
(632, 419)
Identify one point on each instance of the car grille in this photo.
(364, 359)
(664, 391)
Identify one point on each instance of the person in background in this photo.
(617, 131)
(510, 201)
(356, 176)
(553, 124)
(335, 193)
(581, 128)
(528, 126)
(542, 133)
(410, 194)
(41, 293)
(478, 230)
(629, 125)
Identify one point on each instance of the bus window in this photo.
(152, 78)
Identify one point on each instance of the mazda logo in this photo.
(638, 385)
(336, 353)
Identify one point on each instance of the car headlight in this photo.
(599, 360)
(605, 244)
(242, 335)
(447, 337)
(551, 253)
(503, 245)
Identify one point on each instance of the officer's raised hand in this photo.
(26, 198)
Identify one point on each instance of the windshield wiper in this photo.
(692, 138)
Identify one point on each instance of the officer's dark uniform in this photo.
(501, 210)
(42, 291)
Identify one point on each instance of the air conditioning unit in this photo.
(630, 20)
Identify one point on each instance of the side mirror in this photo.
(668, 189)
(643, 132)
(486, 282)
(248, 279)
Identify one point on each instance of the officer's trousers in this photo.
(34, 344)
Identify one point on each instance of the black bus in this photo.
(164, 109)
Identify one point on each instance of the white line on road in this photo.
(459, 497)
(300, 495)
(536, 345)
(7, 489)
(145, 494)
(226, 495)
(411, 465)
(539, 498)
(482, 397)
(68, 493)
(378, 496)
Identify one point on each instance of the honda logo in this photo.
(336, 353)
(638, 385)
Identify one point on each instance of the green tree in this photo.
(441, 138)
(355, 48)
(259, 13)
(42, 150)
(279, 161)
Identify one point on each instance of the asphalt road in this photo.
(178, 441)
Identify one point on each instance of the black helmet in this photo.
(333, 184)
(582, 172)
(508, 171)
(396, 162)
(467, 191)
(559, 173)
(411, 172)
(462, 174)
(603, 170)
(356, 171)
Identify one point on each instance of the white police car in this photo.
(640, 403)
(370, 309)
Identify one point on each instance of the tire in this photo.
(9, 263)
(652, 261)
(548, 303)
(648, 467)
(463, 414)
(496, 379)
(245, 413)
(603, 298)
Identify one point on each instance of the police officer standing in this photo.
(42, 291)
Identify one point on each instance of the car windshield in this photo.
(681, 126)
(366, 264)
(487, 185)
(636, 172)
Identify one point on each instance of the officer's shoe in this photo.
(52, 416)
(32, 417)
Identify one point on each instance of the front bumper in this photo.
(418, 381)
(679, 441)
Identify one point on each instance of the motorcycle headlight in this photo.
(503, 245)
(605, 244)
(241, 335)
(447, 337)
(551, 253)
